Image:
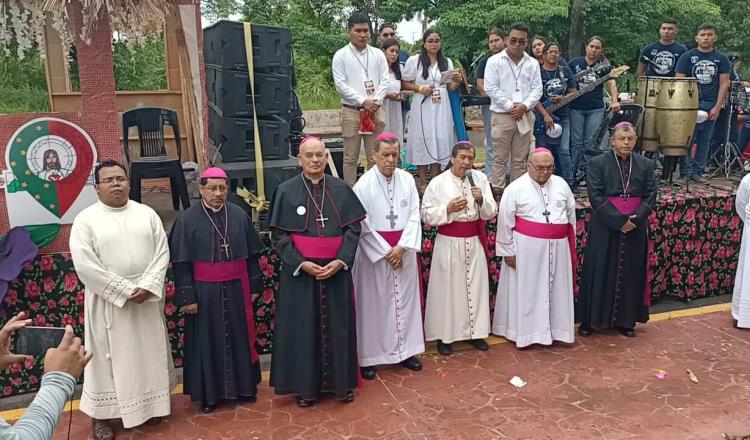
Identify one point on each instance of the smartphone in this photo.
(35, 341)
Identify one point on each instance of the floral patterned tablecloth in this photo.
(695, 241)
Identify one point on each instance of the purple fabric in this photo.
(626, 205)
(16, 250)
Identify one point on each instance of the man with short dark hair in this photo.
(660, 57)
(215, 252)
(711, 68)
(458, 202)
(361, 76)
(119, 249)
(514, 85)
(614, 283)
(386, 270)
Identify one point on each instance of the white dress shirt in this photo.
(351, 68)
(507, 83)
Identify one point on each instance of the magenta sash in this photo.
(318, 247)
(626, 205)
(228, 271)
(476, 228)
(391, 237)
(552, 231)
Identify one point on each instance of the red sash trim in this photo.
(476, 228)
(552, 231)
(228, 271)
(318, 247)
(392, 237)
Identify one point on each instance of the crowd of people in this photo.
(349, 296)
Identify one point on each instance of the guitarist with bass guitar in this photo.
(587, 112)
(558, 83)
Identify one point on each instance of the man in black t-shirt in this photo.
(711, 68)
(660, 58)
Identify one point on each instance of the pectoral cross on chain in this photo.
(392, 218)
(321, 220)
(546, 214)
(225, 246)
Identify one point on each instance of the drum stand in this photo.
(732, 153)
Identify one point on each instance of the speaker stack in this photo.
(230, 106)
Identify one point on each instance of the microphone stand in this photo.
(732, 153)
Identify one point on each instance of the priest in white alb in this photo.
(741, 294)
(536, 238)
(458, 202)
(120, 252)
(386, 269)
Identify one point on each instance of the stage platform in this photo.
(695, 241)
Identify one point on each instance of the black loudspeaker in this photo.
(336, 149)
(224, 46)
(233, 137)
(229, 90)
(276, 172)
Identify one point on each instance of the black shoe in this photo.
(348, 398)
(249, 399)
(368, 373)
(629, 332)
(304, 403)
(480, 344)
(736, 324)
(444, 349)
(585, 331)
(207, 408)
(412, 364)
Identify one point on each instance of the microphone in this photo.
(650, 61)
(470, 177)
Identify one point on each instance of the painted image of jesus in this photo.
(51, 168)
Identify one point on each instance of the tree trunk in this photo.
(576, 38)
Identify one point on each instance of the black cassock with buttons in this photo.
(614, 284)
(315, 340)
(220, 361)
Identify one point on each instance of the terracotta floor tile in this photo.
(604, 387)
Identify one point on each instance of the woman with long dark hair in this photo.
(587, 112)
(393, 113)
(431, 131)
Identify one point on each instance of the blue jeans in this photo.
(487, 122)
(583, 126)
(561, 151)
(693, 166)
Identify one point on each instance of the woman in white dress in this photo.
(431, 131)
(393, 120)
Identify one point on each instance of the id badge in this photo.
(436, 95)
(369, 87)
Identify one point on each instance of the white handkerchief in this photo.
(524, 124)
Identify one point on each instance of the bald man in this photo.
(315, 227)
(536, 238)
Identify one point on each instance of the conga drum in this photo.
(646, 96)
(676, 114)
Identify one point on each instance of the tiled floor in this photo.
(603, 387)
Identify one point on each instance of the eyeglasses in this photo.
(388, 34)
(118, 179)
(518, 41)
(542, 168)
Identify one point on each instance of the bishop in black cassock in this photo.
(622, 190)
(315, 226)
(215, 250)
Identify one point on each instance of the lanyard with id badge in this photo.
(435, 86)
(366, 119)
(369, 84)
